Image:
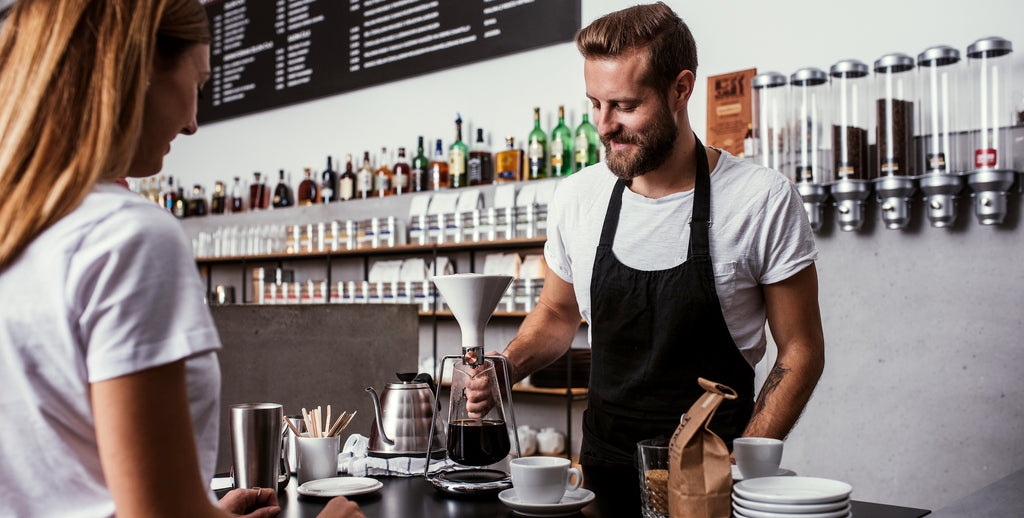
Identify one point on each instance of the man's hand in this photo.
(254, 503)
(481, 394)
(341, 507)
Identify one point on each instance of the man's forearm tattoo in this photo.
(770, 384)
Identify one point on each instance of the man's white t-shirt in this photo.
(109, 290)
(759, 235)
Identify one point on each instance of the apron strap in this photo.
(611, 217)
(700, 221)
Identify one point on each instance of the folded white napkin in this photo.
(354, 461)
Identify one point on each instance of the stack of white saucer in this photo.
(791, 497)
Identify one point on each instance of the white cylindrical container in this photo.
(770, 98)
(851, 119)
(810, 102)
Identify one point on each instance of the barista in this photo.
(675, 254)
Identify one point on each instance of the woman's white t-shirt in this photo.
(759, 235)
(109, 290)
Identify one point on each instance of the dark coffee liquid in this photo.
(478, 442)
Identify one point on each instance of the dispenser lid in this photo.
(990, 47)
(849, 68)
(809, 76)
(938, 56)
(768, 80)
(894, 63)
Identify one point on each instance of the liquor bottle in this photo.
(749, 146)
(329, 183)
(282, 193)
(382, 179)
(537, 150)
(217, 204)
(561, 147)
(587, 144)
(180, 204)
(236, 202)
(481, 170)
(457, 155)
(347, 181)
(508, 163)
(257, 193)
(309, 193)
(152, 191)
(169, 195)
(420, 181)
(364, 178)
(402, 174)
(197, 205)
(439, 169)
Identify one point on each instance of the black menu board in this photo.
(271, 53)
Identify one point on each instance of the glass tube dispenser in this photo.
(940, 163)
(894, 138)
(811, 161)
(850, 93)
(991, 107)
(769, 125)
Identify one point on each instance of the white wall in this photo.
(920, 401)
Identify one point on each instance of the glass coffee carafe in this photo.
(477, 437)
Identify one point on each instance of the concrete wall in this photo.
(920, 401)
(304, 356)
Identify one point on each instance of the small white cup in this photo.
(316, 457)
(543, 480)
(757, 456)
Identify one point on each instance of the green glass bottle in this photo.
(587, 145)
(458, 153)
(420, 165)
(561, 147)
(537, 150)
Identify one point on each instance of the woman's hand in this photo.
(341, 507)
(254, 503)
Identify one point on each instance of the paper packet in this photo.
(699, 471)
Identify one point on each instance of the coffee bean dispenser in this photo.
(850, 121)
(812, 167)
(894, 137)
(939, 72)
(770, 116)
(991, 115)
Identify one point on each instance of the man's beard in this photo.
(653, 146)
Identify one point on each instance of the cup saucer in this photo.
(571, 502)
(782, 472)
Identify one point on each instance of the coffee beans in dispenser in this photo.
(991, 109)
(894, 114)
(811, 165)
(939, 75)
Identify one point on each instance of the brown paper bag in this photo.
(699, 471)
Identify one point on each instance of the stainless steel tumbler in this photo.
(256, 444)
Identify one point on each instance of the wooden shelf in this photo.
(391, 250)
(497, 314)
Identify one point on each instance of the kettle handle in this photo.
(379, 416)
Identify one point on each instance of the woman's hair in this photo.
(73, 76)
(655, 28)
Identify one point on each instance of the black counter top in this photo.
(414, 497)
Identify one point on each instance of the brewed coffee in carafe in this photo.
(477, 434)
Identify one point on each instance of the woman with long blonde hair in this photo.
(109, 380)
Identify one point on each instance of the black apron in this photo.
(654, 333)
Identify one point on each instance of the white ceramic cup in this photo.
(543, 480)
(316, 457)
(757, 456)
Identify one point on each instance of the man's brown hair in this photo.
(654, 27)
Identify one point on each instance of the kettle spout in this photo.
(379, 417)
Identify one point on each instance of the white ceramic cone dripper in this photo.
(472, 297)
